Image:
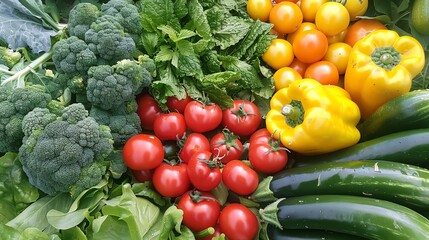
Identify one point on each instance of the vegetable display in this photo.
(214, 119)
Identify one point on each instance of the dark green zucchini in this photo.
(408, 111)
(361, 216)
(396, 182)
(293, 234)
(410, 147)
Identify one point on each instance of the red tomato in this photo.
(175, 104)
(268, 157)
(143, 152)
(191, 144)
(200, 117)
(169, 126)
(143, 175)
(171, 180)
(239, 178)
(324, 72)
(200, 210)
(243, 118)
(226, 146)
(148, 109)
(260, 136)
(204, 171)
(299, 66)
(238, 222)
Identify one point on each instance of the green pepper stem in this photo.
(386, 57)
(293, 112)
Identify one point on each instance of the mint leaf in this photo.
(250, 78)
(158, 13)
(196, 12)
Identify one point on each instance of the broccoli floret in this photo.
(73, 56)
(117, 164)
(18, 103)
(126, 13)
(111, 86)
(81, 17)
(65, 155)
(8, 57)
(109, 41)
(148, 63)
(37, 119)
(123, 121)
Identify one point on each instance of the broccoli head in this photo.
(109, 41)
(81, 17)
(13, 108)
(8, 57)
(73, 56)
(66, 154)
(126, 13)
(111, 86)
(123, 121)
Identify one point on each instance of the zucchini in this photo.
(360, 216)
(392, 181)
(410, 147)
(419, 16)
(292, 234)
(408, 111)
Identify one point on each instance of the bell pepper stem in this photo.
(293, 112)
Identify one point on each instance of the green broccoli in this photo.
(69, 154)
(126, 13)
(111, 86)
(123, 121)
(8, 57)
(107, 39)
(73, 56)
(81, 17)
(13, 108)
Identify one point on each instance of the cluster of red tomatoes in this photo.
(314, 37)
(195, 148)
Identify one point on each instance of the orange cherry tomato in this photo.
(286, 17)
(279, 54)
(284, 76)
(303, 27)
(332, 18)
(338, 54)
(259, 9)
(324, 72)
(299, 66)
(360, 29)
(310, 46)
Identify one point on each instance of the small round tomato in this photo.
(226, 146)
(303, 27)
(284, 77)
(310, 46)
(204, 171)
(201, 117)
(324, 72)
(261, 135)
(259, 9)
(191, 144)
(338, 54)
(360, 29)
(332, 18)
(279, 1)
(175, 104)
(171, 180)
(239, 177)
(355, 8)
(243, 118)
(238, 222)
(201, 210)
(338, 38)
(267, 157)
(148, 109)
(286, 17)
(143, 175)
(309, 8)
(143, 152)
(279, 54)
(299, 66)
(169, 126)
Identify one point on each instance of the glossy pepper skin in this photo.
(382, 66)
(311, 118)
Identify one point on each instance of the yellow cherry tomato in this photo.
(286, 17)
(332, 18)
(284, 76)
(339, 37)
(259, 9)
(304, 27)
(355, 7)
(279, 54)
(338, 54)
(309, 8)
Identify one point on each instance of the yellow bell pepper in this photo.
(382, 66)
(311, 118)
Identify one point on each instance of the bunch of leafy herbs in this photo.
(206, 48)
